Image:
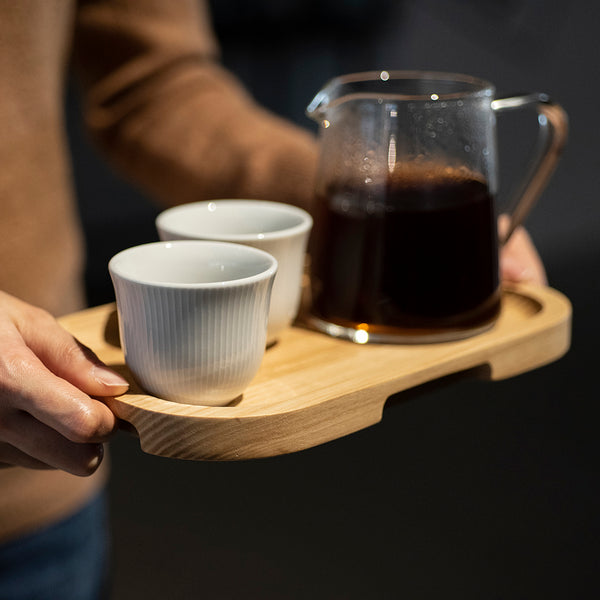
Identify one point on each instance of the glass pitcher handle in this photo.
(553, 131)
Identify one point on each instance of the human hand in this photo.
(519, 260)
(48, 416)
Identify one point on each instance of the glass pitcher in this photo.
(406, 244)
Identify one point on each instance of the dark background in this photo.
(475, 490)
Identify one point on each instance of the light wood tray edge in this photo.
(236, 433)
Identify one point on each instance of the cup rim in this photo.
(116, 269)
(306, 221)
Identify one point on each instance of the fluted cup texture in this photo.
(195, 342)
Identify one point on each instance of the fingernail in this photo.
(97, 459)
(109, 378)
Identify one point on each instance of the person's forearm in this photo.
(171, 118)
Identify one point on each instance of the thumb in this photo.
(67, 358)
(519, 258)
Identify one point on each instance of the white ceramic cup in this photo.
(279, 229)
(193, 317)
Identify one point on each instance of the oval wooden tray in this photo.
(312, 388)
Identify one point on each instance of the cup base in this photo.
(188, 398)
(365, 335)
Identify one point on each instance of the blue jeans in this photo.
(65, 561)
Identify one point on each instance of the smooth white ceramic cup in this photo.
(279, 229)
(193, 317)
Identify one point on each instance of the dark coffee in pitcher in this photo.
(417, 254)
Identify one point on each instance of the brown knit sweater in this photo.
(166, 115)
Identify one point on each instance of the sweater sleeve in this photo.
(171, 118)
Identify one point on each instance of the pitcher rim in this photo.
(321, 100)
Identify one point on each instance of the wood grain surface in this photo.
(312, 388)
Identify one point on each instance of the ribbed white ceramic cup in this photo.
(193, 317)
(279, 229)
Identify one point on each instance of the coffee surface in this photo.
(419, 251)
